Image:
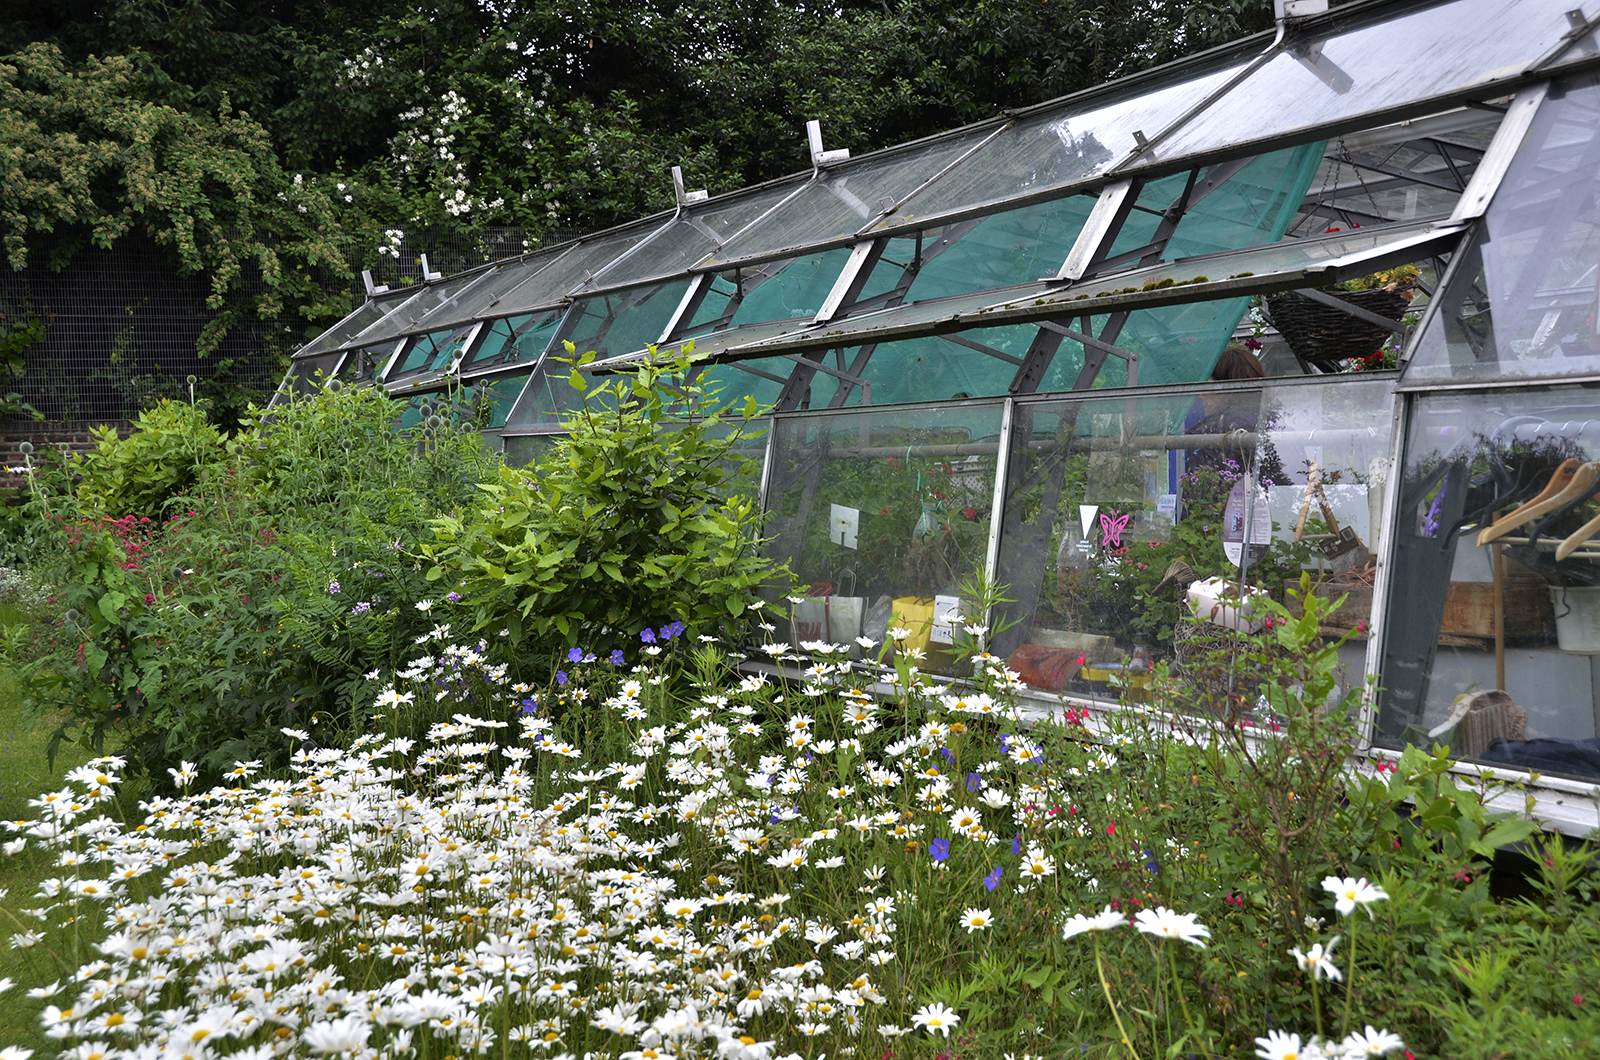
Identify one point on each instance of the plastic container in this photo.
(1210, 600)
(835, 619)
(916, 614)
(1577, 618)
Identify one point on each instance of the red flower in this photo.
(1111, 829)
(1577, 999)
(149, 598)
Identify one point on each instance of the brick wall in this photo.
(70, 436)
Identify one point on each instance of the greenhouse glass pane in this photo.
(1017, 246)
(366, 315)
(713, 306)
(1468, 456)
(937, 369)
(735, 382)
(429, 353)
(846, 197)
(550, 286)
(625, 321)
(1522, 302)
(307, 376)
(885, 515)
(1277, 266)
(701, 230)
(1104, 494)
(518, 338)
(474, 302)
(501, 393)
(405, 317)
(1376, 62)
(1056, 148)
(796, 292)
(546, 398)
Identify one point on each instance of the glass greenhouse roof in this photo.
(1140, 216)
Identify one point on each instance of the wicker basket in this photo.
(1324, 336)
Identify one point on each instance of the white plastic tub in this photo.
(1577, 618)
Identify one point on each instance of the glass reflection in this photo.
(1492, 636)
(1523, 300)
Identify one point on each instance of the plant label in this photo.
(843, 525)
(946, 613)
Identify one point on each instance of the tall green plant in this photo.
(634, 518)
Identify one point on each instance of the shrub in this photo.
(286, 575)
(629, 519)
(164, 458)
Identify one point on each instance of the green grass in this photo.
(23, 775)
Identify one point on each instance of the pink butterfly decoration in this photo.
(1111, 530)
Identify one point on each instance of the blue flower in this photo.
(940, 849)
(575, 655)
(530, 705)
(616, 657)
(333, 588)
(974, 782)
(647, 635)
(561, 677)
(1016, 844)
(948, 757)
(991, 881)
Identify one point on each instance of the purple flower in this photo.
(530, 705)
(561, 677)
(940, 849)
(647, 635)
(453, 597)
(991, 881)
(333, 588)
(361, 608)
(575, 655)
(1016, 844)
(974, 782)
(616, 657)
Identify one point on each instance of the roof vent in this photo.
(819, 157)
(1287, 9)
(686, 197)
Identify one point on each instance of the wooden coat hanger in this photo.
(1577, 538)
(1567, 483)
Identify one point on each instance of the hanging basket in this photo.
(1326, 337)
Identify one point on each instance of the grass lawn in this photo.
(23, 775)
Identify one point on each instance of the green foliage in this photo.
(629, 520)
(91, 156)
(16, 335)
(286, 575)
(171, 446)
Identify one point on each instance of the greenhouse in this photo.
(1323, 300)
